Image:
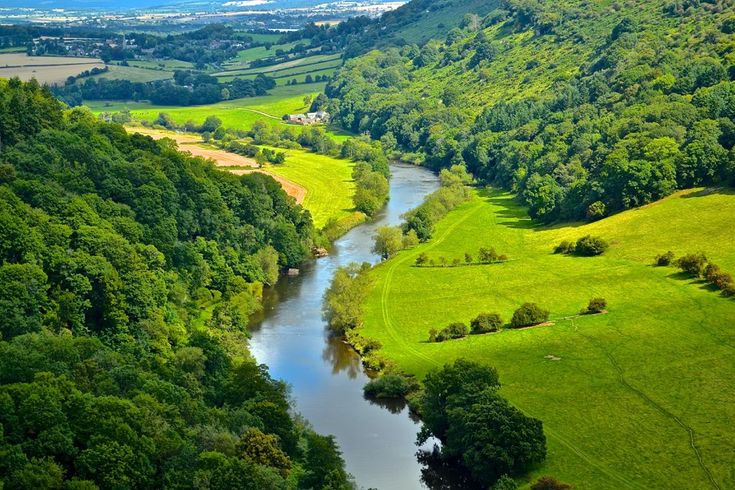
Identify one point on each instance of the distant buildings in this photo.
(310, 118)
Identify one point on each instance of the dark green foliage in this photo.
(596, 305)
(664, 260)
(325, 465)
(527, 315)
(450, 332)
(486, 322)
(549, 483)
(343, 301)
(718, 278)
(590, 246)
(505, 483)
(566, 247)
(693, 264)
(390, 386)
(461, 406)
(112, 245)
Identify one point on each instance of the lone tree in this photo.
(388, 241)
(527, 315)
(589, 246)
(596, 305)
(693, 264)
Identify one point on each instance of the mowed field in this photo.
(328, 182)
(639, 398)
(52, 70)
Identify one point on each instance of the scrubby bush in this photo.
(485, 323)
(566, 247)
(390, 386)
(693, 264)
(452, 331)
(488, 255)
(422, 259)
(664, 260)
(527, 315)
(505, 483)
(596, 305)
(549, 483)
(714, 275)
(590, 246)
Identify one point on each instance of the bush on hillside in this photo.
(505, 483)
(664, 260)
(566, 247)
(450, 332)
(590, 246)
(390, 386)
(693, 264)
(549, 483)
(485, 323)
(527, 315)
(720, 279)
(596, 305)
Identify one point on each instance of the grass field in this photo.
(240, 113)
(641, 397)
(328, 182)
(134, 74)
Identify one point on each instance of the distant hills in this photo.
(152, 4)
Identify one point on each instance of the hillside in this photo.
(621, 395)
(584, 109)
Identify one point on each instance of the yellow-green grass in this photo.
(239, 113)
(244, 57)
(273, 70)
(631, 390)
(265, 38)
(328, 182)
(167, 65)
(133, 74)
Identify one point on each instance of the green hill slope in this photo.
(623, 396)
(582, 108)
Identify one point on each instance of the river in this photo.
(325, 375)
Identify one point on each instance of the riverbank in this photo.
(657, 360)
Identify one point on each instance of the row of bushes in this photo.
(697, 265)
(528, 315)
(587, 246)
(485, 256)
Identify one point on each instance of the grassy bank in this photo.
(637, 398)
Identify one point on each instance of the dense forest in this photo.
(583, 109)
(128, 271)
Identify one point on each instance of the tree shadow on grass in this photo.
(709, 191)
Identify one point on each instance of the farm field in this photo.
(46, 69)
(637, 398)
(133, 73)
(328, 182)
(245, 56)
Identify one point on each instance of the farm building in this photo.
(320, 117)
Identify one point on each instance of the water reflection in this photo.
(438, 473)
(341, 357)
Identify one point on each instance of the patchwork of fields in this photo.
(640, 397)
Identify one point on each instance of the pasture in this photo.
(328, 182)
(134, 74)
(52, 70)
(637, 398)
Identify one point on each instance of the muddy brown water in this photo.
(325, 375)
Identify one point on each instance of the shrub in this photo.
(486, 322)
(422, 259)
(488, 255)
(590, 246)
(502, 258)
(713, 274)
(566, 247)
(527, 315)
(596, 305)
(664, 260)
(452, 331)
(505, 483)
(389, 386)
(693, 264)
(549, 483)
(729, 291)
(468, 258)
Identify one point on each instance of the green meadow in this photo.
(240, 113)
(328, 182)
(641, 397)
(135, 74)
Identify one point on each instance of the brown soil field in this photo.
(52, 70)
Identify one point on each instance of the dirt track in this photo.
(223, 159)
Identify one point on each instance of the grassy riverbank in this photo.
(637, 398)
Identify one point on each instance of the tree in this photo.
(453, 331)
(388, 241)
(422, 259)
(23, 299)
(664, 260)
(549, 483)
(596, 305)
(486, 322)
(325, 463)
(344, 298)
(693, 264)
(527, 315)
(589, 246)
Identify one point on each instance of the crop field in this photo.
(165, 65)
(328, 182)
(640, 397)
(274, 70)
(46, 69)
(245, 56)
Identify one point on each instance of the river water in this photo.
(325, 375)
